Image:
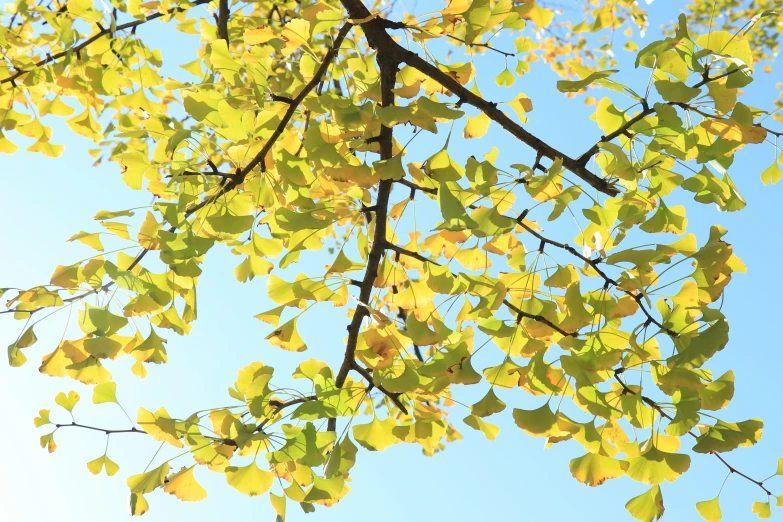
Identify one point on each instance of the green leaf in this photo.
(574, 86)
(149, 481)
(377, 435)
(489, 405)
(540, 422)
(676, 92)
(727, 436)
(106, 392)
(709, 510)
(477, 423)
(772, 174)
(655, 466)
(506, 78)
(648, 506)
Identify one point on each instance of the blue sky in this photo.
(512, 478)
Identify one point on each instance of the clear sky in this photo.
(513, 478)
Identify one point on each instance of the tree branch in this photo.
(409, 253)
(388, 66)
(106, 431)
(222, 20)
(100, 34)
(379, 39)
(395, 397)
(539, 318)
(239, 177)
(651, 403)
(638, 297)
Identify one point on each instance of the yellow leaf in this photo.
(138, 505)
(477, 126)
(249, 479)
(159, 426)
(183, 485)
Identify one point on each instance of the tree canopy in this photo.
(290, 140)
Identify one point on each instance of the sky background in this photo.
(513, 478)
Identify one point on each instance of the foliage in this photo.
(290, 132)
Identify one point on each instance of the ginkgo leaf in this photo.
(709, 510)
(377, 435)
(106, 392)
(772, 174)
(477, 423)
(655, 466)
(148, 481)
(477, 126)
(138, 505)
(250, 479)
(47, 441)
(183, 485)
(726, 436)
(488, 405)
(540, 422)
(594, 469)
(279, 505)
(762, 509)
(160, 426)
(91, 240)
(103, 462)
(648, 506)
(287, 337)
(574, 86)
(67, 401)
(42, 419)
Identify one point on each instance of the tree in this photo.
(290, 141)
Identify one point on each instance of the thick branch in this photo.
(379, 39)
(388, 73)
(222, 20)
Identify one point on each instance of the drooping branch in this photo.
(100, 34)
(657, 407)
(608, 281)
